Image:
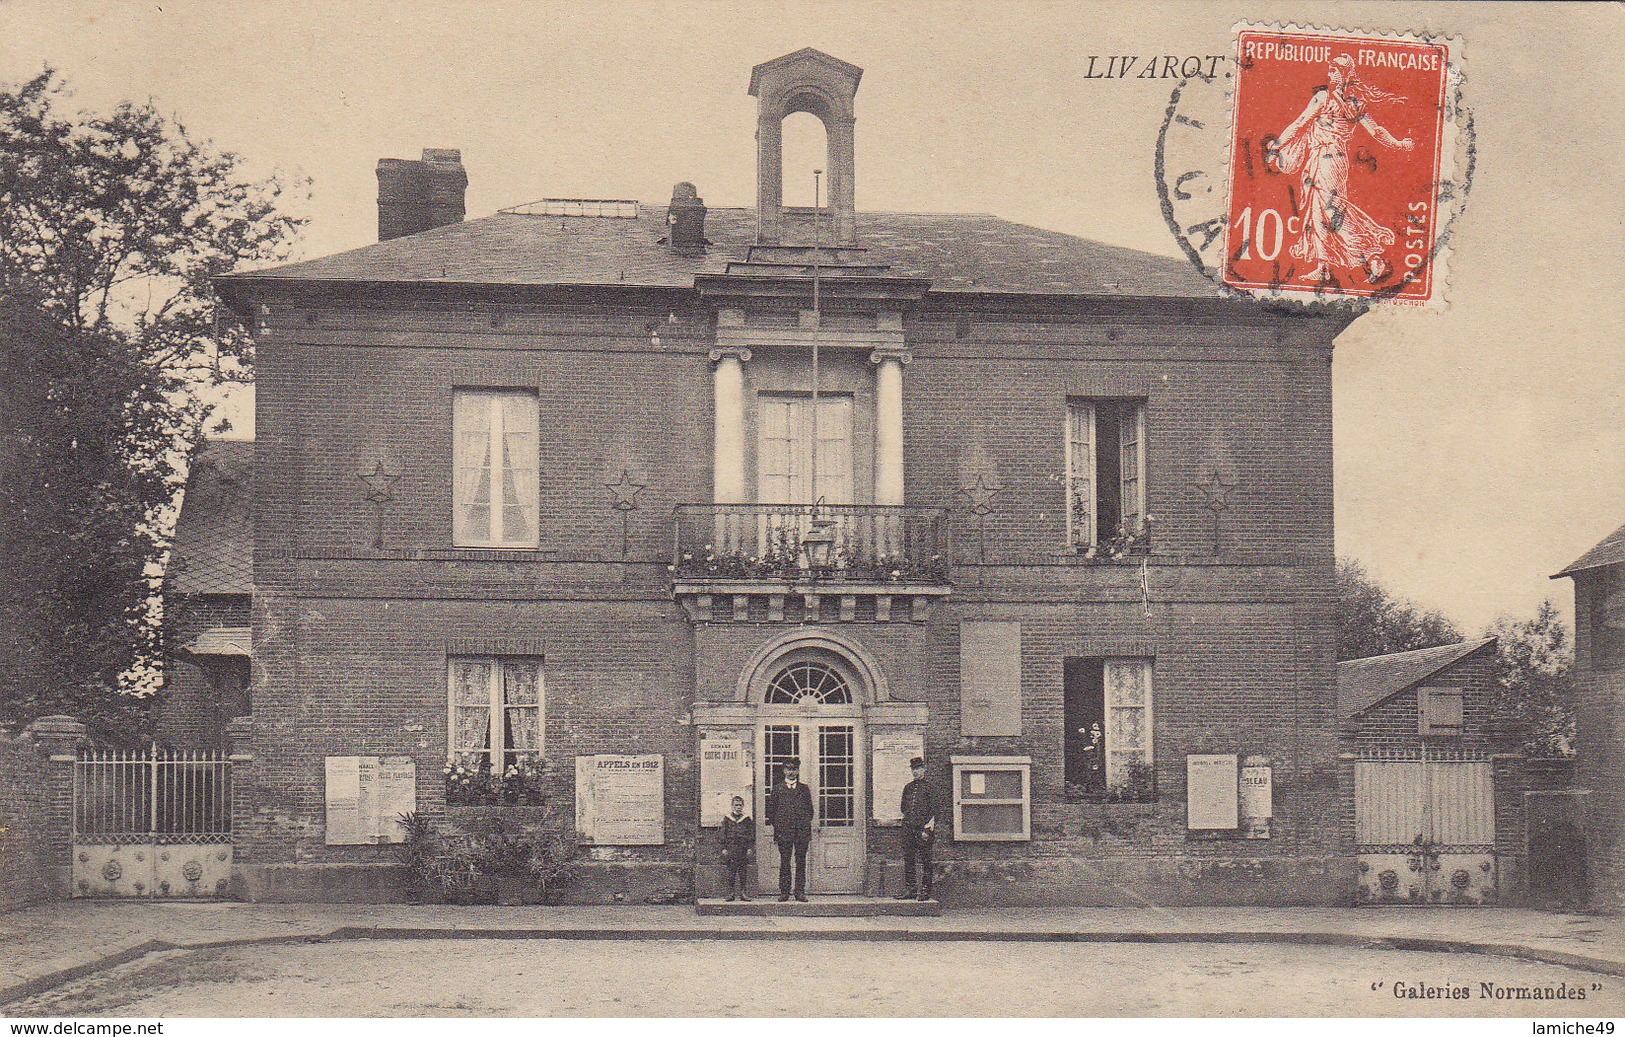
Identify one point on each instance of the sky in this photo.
(1479, 448)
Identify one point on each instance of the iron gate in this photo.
(151, 824)
(1424, 830)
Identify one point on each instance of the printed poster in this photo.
(621, 800)
(725, 772)
(891, 772)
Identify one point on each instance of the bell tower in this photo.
(813, 82)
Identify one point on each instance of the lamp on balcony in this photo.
(819, 539)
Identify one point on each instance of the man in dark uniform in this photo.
(790, 815)
(919, 829)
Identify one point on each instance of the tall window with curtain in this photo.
(496, 711)
(1105, 470)
(494, 491)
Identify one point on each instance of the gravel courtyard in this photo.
(544, 977)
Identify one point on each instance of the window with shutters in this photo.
(496, 711)
(1439, 712)
(1107, 745)
(1105, 470)
(494, 490)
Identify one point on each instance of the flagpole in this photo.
(818, 244)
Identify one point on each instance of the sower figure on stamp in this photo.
(919, 830)
(790, 815)
(738, 847)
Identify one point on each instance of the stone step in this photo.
(824, 906)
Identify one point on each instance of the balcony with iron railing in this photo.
(776, 561)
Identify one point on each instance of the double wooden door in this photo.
(827, 744)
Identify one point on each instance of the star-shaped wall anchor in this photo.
(1216, 486)
(625, 491)
(380, 483)
(981, 493)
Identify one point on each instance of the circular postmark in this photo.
(1278, 180)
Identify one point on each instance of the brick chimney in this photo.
(419, 195)
(686, 217)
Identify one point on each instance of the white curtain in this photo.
(471, 490)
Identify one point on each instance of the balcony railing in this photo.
(797, 542)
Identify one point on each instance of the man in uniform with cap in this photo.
(790, 815)
(919, 829)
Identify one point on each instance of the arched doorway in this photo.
(810, 696)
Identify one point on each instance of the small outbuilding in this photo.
(1438, 799)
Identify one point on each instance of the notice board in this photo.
(621, 800)
(890, 772)
(366, 796)
(989, 679)
(725, 772)
(1210, 791)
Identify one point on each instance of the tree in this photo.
(111, 228)
(1533, 682)
(1371, 621)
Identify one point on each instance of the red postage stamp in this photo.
(1337, 143)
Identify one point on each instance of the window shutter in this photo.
(1080, 474)
(1439, 711)
(1132, 437)
(990, 679)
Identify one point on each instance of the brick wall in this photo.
(352, 640)
(36, 811)
(1600, 766)
(200, 695)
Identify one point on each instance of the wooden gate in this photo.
(1424, 830)
(151, 824)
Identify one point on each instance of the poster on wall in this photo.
(366, 796)
(621, 800)
(890, 771)
(725, 772)
(1210, 792)
(1257, 798)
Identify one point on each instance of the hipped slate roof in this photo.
(1610, 552)
(213, 548)
(1363, 683)
(955, 252)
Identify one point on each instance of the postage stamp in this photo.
(1341, 153)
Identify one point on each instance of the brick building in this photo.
(1439, 783)
(693, 557)
(1599, 667)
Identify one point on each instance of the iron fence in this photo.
(153, 796)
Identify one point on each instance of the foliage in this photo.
(1371, 621)
(1138, 784)
(470, 781)
(781, 559)
(1533, 683)
(1123, 543)
(460, 867)
(111, 227)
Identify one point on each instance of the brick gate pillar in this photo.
(59, 740)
